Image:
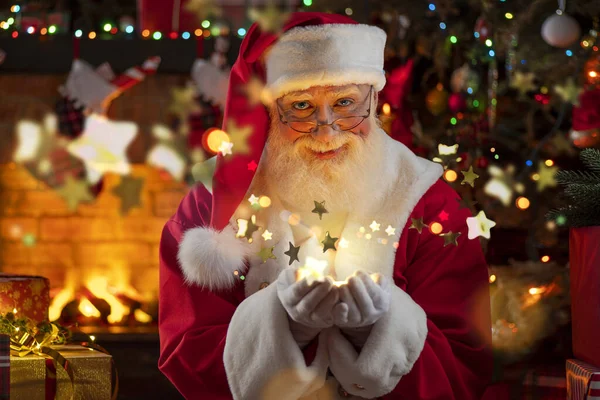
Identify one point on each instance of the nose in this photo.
(325, 132)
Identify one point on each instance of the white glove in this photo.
(309, 307)
(362, 302)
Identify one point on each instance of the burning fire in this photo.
(99, 287)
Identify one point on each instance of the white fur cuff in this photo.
(209, 258)
(390, 352)
(262, 359)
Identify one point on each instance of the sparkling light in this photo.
(442, 25)
(157, 35)
(198, 32)
(241, 32)
(264, 201)
(492, 278)
(215, 138)
(549, 163)
(545, 259)
(569, 53)
(145, 33)
(107, 27)
(488, 42)
(450, 175)
(523, 203)
(92, 35)
(129, 29)
(205, 23)
(436, 228)
(432, 7)
(78, 33)
(508, 16)
(314, 270)
(31, 30)
(386, 109)
(453, 39)
(16, 8)
(52, 29)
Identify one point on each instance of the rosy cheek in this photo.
(364, 128)
(289, 133)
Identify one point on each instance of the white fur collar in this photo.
(409, 178)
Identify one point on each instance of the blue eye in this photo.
(301, 105)
(345, 102)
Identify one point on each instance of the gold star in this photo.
(480, 225)
(246, 228)
(569, 92)
(253, 90)
(239, 137)
(374, 226)
(450, 238)
(183, 102)
(269, 19)
(523, 82)
(502, 184)
(74, 192)
(129, 191)
(267, 235)
(266, 253)
(293, 253)
(203, 9)
(225, 148)
(103, 146)
(444, 150)
(470, 177)
(329, 242)
(417, 223)
(320, 209)
(546, 176)
(253, 200)
(390, 231)
(314, 270)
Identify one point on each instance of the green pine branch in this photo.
(591, 159)
(581, 177)
(583, 190)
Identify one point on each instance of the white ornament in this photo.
(560, 30)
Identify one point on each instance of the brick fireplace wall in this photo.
(94, 238)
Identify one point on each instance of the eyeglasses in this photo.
(309, 123)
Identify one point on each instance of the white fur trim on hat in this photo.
(325, 55)
(209, 258)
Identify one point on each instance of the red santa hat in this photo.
(315, 49)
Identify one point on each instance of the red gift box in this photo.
(29, 295)
(585, 292)
(165, 16)
(583, 381)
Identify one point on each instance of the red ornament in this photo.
(482, 162)
(457, 103)
(483, 29)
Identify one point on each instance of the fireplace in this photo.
(102, 264)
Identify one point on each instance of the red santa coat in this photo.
(233, 341)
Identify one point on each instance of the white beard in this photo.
(350, 182)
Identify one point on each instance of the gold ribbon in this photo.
(23, 343)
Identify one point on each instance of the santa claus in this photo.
(309, 271)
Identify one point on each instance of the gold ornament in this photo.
(546, 176)
(266, 253)
(129, 190)
(269, 19)
(470, 177)
(480, 225)
(450, 238)
(246, 228)
(329, 243)
(292, 253)
(569, 92)
(417, 223)
(74, 192)
(320, 209)
(523, 82)
(239, 135)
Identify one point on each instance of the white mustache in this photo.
(321, 147)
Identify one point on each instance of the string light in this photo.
(16, 8)
(488, 42)
(492, 278)
(442, 25)
(157, 35)
(173, 35)
(432, 7)
(92, 35)
(508, 16)
(31, 30)
(15, 34)
(145, 33)
(453, 39)
(529, 163)
(436, 228)
(205, 24)
(10, 21)
(114, 30)
(78, 33)
(107, 27)
(549, 163)
(453, 121)
(307, 3)
(545, 259)
(569, 53)
(492, 53)
(185, 35)
(348, 11)
(129, 29)
(52, 29)
(450, 175)
(43, 31)
(198, 32)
